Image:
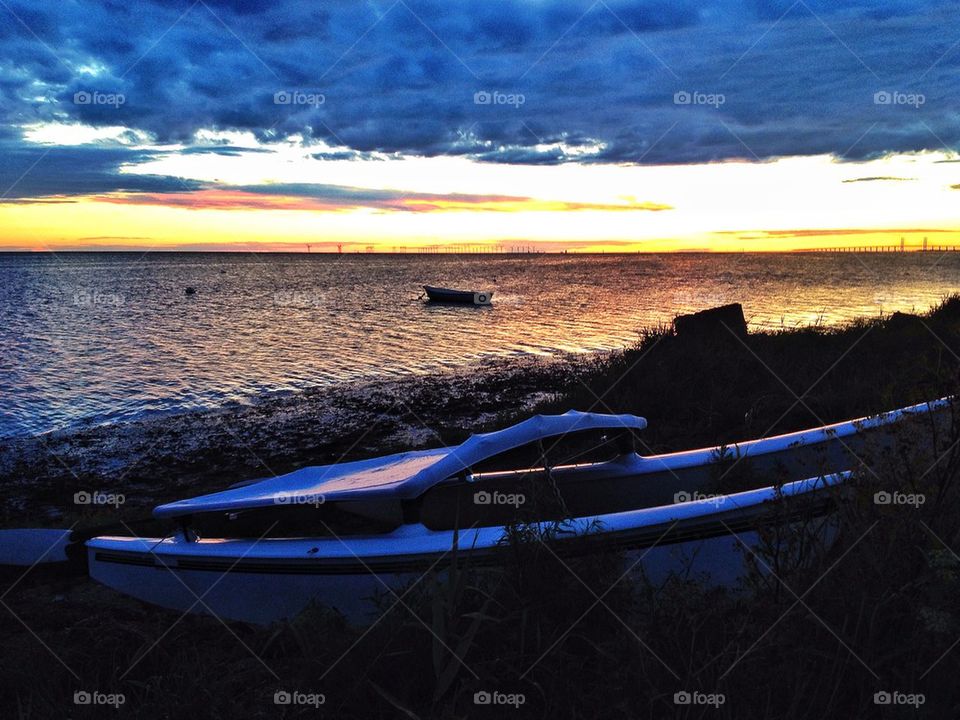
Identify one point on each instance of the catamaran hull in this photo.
(274, 579)
(265, 596)
(260, 597)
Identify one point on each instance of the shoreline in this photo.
(457, 372)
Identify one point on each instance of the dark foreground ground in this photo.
(833, 631)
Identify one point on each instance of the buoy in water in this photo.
(190, 291)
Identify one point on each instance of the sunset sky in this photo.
(220, 124)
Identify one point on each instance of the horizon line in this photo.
(840, 249)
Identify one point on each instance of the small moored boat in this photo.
(464, 297)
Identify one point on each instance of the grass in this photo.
(816, 629)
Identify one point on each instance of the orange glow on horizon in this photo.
(282, 203)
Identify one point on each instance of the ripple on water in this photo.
(106, 337)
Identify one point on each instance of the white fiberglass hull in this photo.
(276, 578)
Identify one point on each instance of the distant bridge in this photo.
(902, 246)
(473, 249)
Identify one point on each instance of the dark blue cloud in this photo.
(46, 171)
(402, 77)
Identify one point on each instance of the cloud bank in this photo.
(656, 81)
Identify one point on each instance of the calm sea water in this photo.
(102, 337)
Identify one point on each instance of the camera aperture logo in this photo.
(298, 97)
(495, 97)
(495, 697)
(686, 97)
(95, 697)
(285, 498)
(95, 97)
(695, 697)
(295, 697)
(484, 497)
(713, 499)
(899, 498)
(895, 97)
(97, 497)
(895, 697)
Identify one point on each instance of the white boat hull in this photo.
(258, 598)
(361, 597)
(273, 579)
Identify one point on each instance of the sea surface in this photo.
(103, 337)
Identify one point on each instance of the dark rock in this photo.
(905, 322)
(717, 322)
